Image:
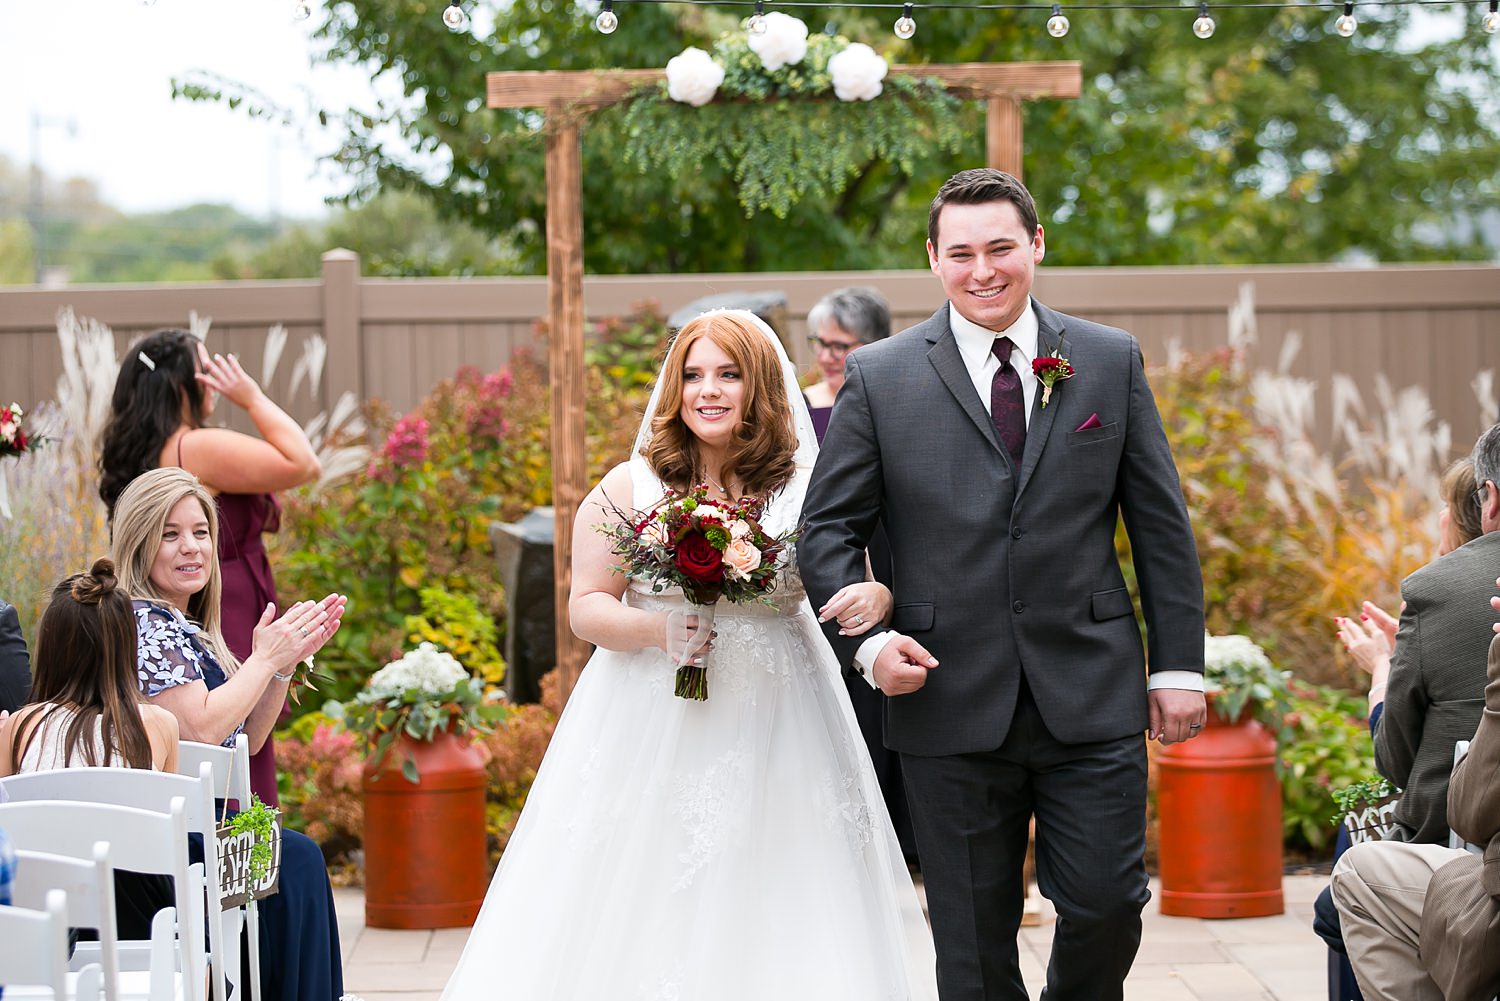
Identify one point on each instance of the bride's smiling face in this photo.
(713, 393)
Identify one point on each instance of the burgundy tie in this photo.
(1007, 403)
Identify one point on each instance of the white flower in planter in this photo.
(784, 41)
(693, 77)
(857, 72)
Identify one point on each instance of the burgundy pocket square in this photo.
(1092, 422)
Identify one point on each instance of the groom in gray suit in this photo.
(1013, 654)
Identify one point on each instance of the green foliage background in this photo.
(1274, 141)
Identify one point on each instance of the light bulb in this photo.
(757, 25)
(1057, 24)
(302, 11)
(454, 17)
(1346, 24)
(1491, 21)
(1204, 26)
(606, 22)
(906, 25)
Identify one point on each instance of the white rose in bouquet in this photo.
(693, 77)
(857, 72)
(783, 44)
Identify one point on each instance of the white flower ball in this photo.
(432, 671)
(693, 77)
(783, 44)
(857, 72)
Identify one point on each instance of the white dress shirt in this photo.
(975, 344)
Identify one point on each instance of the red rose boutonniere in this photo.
(1049, 371)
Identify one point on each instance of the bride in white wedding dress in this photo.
(734, 849)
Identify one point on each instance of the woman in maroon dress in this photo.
(165, 393)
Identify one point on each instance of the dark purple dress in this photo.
(248, 587)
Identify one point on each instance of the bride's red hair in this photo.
(763, 449)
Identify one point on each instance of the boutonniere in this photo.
(1049, 371)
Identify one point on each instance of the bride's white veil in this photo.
(788, 503)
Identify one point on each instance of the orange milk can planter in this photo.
(425, 860)
(1219, 822)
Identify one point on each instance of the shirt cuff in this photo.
(864, 657)
(1190, 681)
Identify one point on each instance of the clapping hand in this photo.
(858, 607)
(1372, 639)
(224, 375)
(298, 634)
(1495, 604)
(902, 666)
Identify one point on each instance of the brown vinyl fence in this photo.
(1435, 327)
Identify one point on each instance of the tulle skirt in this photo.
(730, 850)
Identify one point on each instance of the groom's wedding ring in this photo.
(302, 630)
(1195, 726)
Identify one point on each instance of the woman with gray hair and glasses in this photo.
(842, 321)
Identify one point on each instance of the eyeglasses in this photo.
(1479, 494)
(836, 348)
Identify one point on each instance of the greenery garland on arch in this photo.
(779, 132)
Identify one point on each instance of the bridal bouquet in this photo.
(13, 440)
(710, 549)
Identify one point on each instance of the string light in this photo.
(454, 17)
(607, 21)
(757, 25)
(302, 11)
(1492, 19)
(906, 25)
(1057, 24)
(1204, 25)
(1346, 24)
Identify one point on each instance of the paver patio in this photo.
(1181, 959)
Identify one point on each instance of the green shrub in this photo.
(1327, 748)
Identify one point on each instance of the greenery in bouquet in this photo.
(757, 115)
(1242, 681)
(419, 694)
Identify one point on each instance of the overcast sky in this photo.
(98, 73)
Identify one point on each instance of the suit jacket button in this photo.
(1018, 607)
(1015, 533)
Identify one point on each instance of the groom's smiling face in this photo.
(986, 261)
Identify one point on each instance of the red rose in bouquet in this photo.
(698, 559)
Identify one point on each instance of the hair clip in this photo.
(146, 360)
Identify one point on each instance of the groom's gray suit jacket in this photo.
(1000, 571)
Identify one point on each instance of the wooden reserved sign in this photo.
(237, 885)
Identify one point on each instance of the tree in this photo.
(397, 233)
(1274, 141)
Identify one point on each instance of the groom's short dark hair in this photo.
(978, 186)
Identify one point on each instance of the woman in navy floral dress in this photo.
(165, 537)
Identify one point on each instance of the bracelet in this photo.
(288, 676)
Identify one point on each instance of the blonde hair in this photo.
(141, 514)
(763, 447)
(1457, 488)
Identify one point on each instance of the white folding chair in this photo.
(141, 840)
(1461, 748)
(34, 953)
(90, 888)
(231, 782)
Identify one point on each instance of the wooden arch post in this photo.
(567, 97)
